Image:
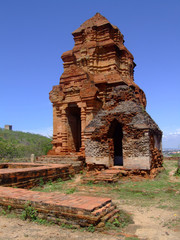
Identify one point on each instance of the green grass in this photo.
(177, 173)
(70, 190)
(160, 192)
(173, 223)
(149, 192)
(170, 164)
(123, 219)
(29, 213)
(57, 186)
(175, 155)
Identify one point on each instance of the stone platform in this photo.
(76, 161)
(27, 175)
(60, 208)
(115, 173)
(56, 207)
(108, 175)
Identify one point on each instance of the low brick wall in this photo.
(28, 175)
(60, 208)
(77, 162)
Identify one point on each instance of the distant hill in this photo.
(20, 144)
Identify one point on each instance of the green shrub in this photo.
(29, 212)
(15, 144)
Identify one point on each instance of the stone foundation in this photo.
(77, 162)
(26, 175)
(60, 208)
(81, 211)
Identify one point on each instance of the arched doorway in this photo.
(116, 134)
(74, 127)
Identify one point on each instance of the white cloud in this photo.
(172, 139)
(176, 132)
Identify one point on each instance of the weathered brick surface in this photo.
(77, 162)
(26, 175)
(137, 128)
(108, 175)
(76, 209)
(116, 173)
(56, 207)
(97, 97)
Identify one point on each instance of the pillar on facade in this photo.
(83, 125)
(64, 129)
(82, 106)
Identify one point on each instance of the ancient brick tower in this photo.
(98, 110)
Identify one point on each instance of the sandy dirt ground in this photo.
(150, 223)
(24, 230)
(153, 223)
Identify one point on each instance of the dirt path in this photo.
(153, 223)
(12, 228)
(149, 224)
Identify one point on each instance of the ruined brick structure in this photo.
(8, 127)
(98, 110)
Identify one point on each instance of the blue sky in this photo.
(35, 33)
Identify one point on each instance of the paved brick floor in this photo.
(59, 199)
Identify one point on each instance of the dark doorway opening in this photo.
(116, 134)
(74, 128)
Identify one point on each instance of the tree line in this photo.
(16, 144)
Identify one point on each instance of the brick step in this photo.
(62, 157)
(111, 171)
(106, 176)
(104, 210)
(109, 215)
(117, 168)
(99, 180)
(109, 175)
(73, 209)
(123, 171)
(57, 159)
(61, 162)
(115, 216)
(76, 161)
